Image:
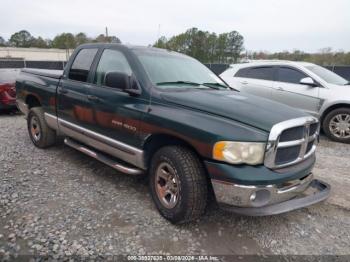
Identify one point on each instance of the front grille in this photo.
(287, 154)
(291, 142)
(313, 128)
(293, 133)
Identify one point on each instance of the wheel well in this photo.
(158, 141)
(331, 108)
(32, 101)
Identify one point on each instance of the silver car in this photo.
(302, 85)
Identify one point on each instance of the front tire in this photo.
(178, 184)
(40, 133)
(336, 125)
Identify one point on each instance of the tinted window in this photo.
(82, 63)
(290, 75)
(263, 73)
(111, 61)
(242, 72)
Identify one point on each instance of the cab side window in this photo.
(80, 68)
(111, 61)
(290, 75)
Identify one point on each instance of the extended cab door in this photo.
(117, 114)
(73, 106)
(257, 80)
(288, 90)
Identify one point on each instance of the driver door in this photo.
(117, 114)
(288, 90)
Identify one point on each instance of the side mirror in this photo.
(308, 81)
(122, 81)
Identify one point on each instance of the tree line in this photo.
(207, 47)
(227, 48)
(325, 56)
(62, 41)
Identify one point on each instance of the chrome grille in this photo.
(291, 142)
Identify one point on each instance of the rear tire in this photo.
(40, 133)
(187, 184)
(336, 125)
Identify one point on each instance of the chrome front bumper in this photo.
(269, 199)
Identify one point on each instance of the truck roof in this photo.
(129, 46)
(133, 48)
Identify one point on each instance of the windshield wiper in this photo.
(215, 85)
(178, 82)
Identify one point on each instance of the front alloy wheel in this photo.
(178, 184)
(167, 185)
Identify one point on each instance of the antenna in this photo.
(158, 34)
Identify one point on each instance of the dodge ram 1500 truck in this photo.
(148, 111)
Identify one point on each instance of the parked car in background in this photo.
(306, 86)
(148, 111)
(7, 88)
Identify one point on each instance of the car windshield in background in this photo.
(327, 75)
(168, 70)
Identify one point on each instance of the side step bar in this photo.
(103, 158)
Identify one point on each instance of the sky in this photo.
(267, 25)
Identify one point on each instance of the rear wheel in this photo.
(336, 125)
(40, 133)
(178, 184)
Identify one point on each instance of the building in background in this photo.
(13, 57)
(34, 54)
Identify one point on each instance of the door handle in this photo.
(93, 98)
(280, 89)
(244, 83)
(62, 91)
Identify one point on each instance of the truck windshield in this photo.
(171, 70)
(328, 75)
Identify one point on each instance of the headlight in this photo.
(239, 152)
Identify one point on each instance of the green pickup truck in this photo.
(161, 114)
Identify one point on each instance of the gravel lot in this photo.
(59, 202)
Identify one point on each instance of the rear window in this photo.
(82, 63)
(262, 73)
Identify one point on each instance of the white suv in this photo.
(302, 85)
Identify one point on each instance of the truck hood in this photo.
(245, 108)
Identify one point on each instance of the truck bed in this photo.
(44, 72)
(37, 87)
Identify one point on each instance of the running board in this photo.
(103, 158)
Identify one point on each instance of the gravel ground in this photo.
(59, 202)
